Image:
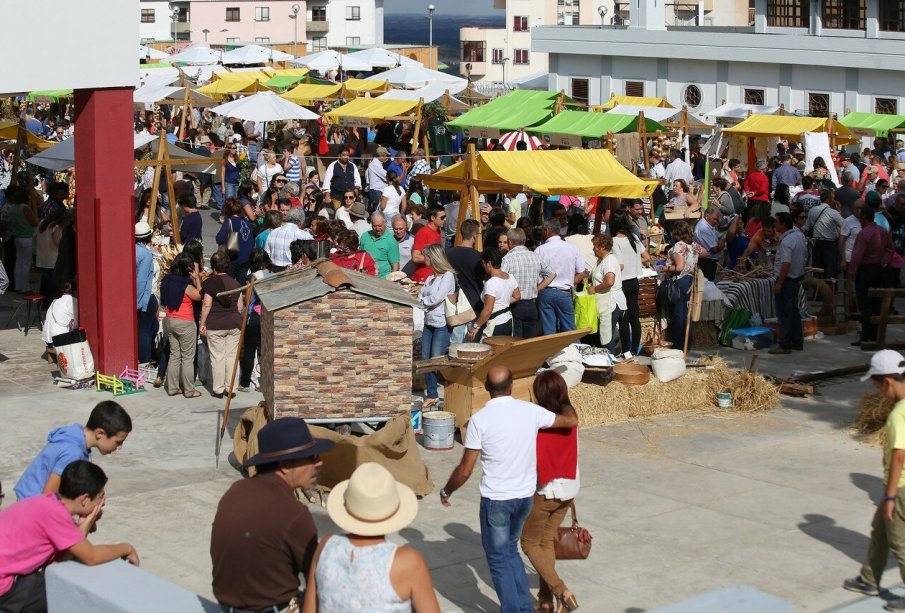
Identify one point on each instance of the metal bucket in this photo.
(724, 400)
(439, 430)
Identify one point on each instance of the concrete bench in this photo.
(117, 587)
(738, 599)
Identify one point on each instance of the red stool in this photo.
(34, 318)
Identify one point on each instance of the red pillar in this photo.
(104, 161)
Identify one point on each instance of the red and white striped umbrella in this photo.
(508, 141)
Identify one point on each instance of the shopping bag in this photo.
(585, 311)
(74, 355)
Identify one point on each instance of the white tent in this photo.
(537, 81)
(149, 53)
(264, 106)
(733, 113)
(379, 57)
(327, 60)
(62, 156)
(413, 77)
(199, 55)
(146, 96)
(429, 93)
(254, 54)
(157, 77)
(695, 123)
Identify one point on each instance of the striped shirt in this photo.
(527, 268)
(277, 245)
(294, 172)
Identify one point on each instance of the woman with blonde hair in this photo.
(606, 285)
(435, 338)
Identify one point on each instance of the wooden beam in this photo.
(417, 132)
(641, 136)
(158, 168)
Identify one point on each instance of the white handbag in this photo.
(460, 311)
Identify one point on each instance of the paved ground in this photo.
(678, 505)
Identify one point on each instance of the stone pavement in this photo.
(678, 505)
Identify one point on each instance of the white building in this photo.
(157, 20)
(812, 56)
(344, 23)
(500, 55)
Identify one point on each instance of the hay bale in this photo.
(872, 413)
(696, 390)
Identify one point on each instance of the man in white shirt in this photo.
(557, 312)
(504, 435)
(278, 241)
(678, 169)
(376, 175)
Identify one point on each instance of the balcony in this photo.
(317, 26)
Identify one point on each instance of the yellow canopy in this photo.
(290, 72)
(234, 83)
(366, 111)
(634, 101)
(575, 172)
(10, 131)
(306, 93)
(789, 126)
(366, 85)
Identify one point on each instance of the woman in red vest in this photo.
(557, 486)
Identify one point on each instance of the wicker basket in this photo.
(631, 374)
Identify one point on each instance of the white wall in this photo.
(85, 51)
(162, 28)
(341, 28)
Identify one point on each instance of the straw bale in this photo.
(696, 390)
(872, 413)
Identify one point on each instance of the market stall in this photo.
(365, 112)
(227, 83)
(413, 76)
(632, 100)
(436, 92)
(732, 113)
(873, 124)
(516, 110)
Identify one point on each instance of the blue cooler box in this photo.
(752, 339)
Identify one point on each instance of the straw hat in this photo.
(358, 210)
(371, 502)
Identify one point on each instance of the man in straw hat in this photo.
(262, 536)
(504, 435)
(384, 576)
(887, 373)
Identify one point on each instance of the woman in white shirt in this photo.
(629, 249)
(267, 171)
(500, 292)
(435, 337)
(606, 285)
(61, 317)
(392, 201)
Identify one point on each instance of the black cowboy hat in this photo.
(286, 439)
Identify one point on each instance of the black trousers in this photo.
(251, 346)
(27, 595)
(630, 322)
(869, 275)
(825, 255)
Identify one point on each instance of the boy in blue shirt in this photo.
(106, 430)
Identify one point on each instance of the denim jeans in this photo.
(232, 190)
(790, 332)
(615, 317)
(218, 198)
(524, 318)
(148, 325)
(557, 312)
(679, 315)
(501, 528)
(434, 342)
(458, 334)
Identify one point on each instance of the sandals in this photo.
(194, 394)
(430, 402)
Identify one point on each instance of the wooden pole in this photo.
(417, 124)
(642, 136)
(232, 380)
(155, 188)
(171, 193)
(691, 298)
(465, 203)
(473, 195)
(831, 132)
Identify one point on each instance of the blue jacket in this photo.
(64, 446)
(144, 273)
(246, 237)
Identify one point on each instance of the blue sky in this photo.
(447, 7)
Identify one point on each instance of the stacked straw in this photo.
(697, 389)
(874, 409)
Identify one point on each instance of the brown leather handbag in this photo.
(574, 542)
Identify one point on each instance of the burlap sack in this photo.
(245, 438)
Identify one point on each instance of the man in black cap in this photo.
(262, 536)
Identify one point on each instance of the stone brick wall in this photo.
(341, 356)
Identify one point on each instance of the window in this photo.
(819, 105)
(232, 14)
(886, 106)
(693, 96)
(789, 13)
(262, 13)
(147, 15)
(319, 44)
(262, 39)
(580, 90)
(845, 14)
(754, 96)
(318, 13)
(892, 16)
(519, 24)
(352, 41)
(497, 56)
(521, 57)
(567, 12)
(353, 13)
(473, 50)
(231, 40)
(183, 16)
(634, 88)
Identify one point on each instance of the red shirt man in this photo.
(757, 185)
(428, 235)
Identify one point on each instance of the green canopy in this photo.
(284, 82)
(52, 95)
(873, 124)
(587, 124)
(155, 66)
(514, 111)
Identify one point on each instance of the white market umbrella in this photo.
(148, 95)
(412, 77)
(62, 156)
(199, 55)
(264, 106)
(327, 60)
(378, 57)
(149, 53)
(254, 54)
(429, 93)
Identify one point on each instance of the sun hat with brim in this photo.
(142, 230)
(371, 502)
(358, 210)
(885, 362)
(286, 439)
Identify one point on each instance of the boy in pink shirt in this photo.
(39, 530)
